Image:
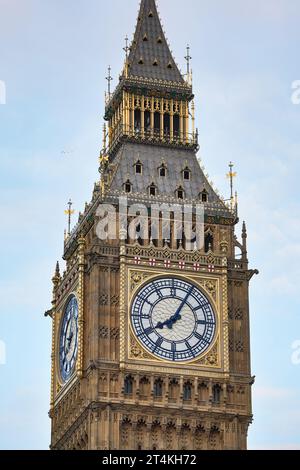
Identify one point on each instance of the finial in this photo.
(126, 48)
(109, 79)
(231, 175)
(56, 276)
(244, 238)
(57, 271)
(69, 212)
(188, 59)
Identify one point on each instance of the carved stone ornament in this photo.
(212, 358)
(137, 278)
(136, 351)
(210, 286)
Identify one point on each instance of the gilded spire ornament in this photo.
(231, 175)
(69, 212)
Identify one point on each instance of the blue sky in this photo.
(53, 59)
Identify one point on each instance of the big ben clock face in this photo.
(68, 343)
(173, 320)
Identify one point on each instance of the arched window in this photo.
(128, 385)
(162, 171)
(138, 168)
(137, 120)
(187, 391)
(152, 190)
(204, 196)
(176, 125)
(209, 242)
(147, 121)
(217, 394)
(187, 174)
(157, 122)
(167, 124)
(158, 388)
(128, 187)
(180, 193)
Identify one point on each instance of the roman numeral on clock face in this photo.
(158, 343)
(149, 330)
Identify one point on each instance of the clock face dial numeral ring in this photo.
(68, 341)
(173, 320)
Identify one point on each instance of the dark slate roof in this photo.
(152, 158)
(150, 46)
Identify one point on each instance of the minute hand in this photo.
(174, 318)
(182, 304)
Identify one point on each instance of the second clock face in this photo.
(68, 339)
(173, 319)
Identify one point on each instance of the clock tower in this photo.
(150, 319)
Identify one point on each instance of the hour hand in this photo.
(70, 338)
(169, 323)
(160, 325)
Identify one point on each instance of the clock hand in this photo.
(174, 318)
(70, 337)
(169, 323)
(177, 314)
(69, 340)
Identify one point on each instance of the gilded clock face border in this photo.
(60, 383)
(191, 278)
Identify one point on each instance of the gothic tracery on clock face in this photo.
(68, 341)
(173, 319)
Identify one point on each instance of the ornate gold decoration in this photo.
(210, 286)
(136, 278)
(211, 359)
(136, 351)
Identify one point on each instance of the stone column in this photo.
(162, 118)
(143, 116)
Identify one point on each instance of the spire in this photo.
(244, 238)
(69, 212)
(150, 55)
(57, 271)
(56, 276)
